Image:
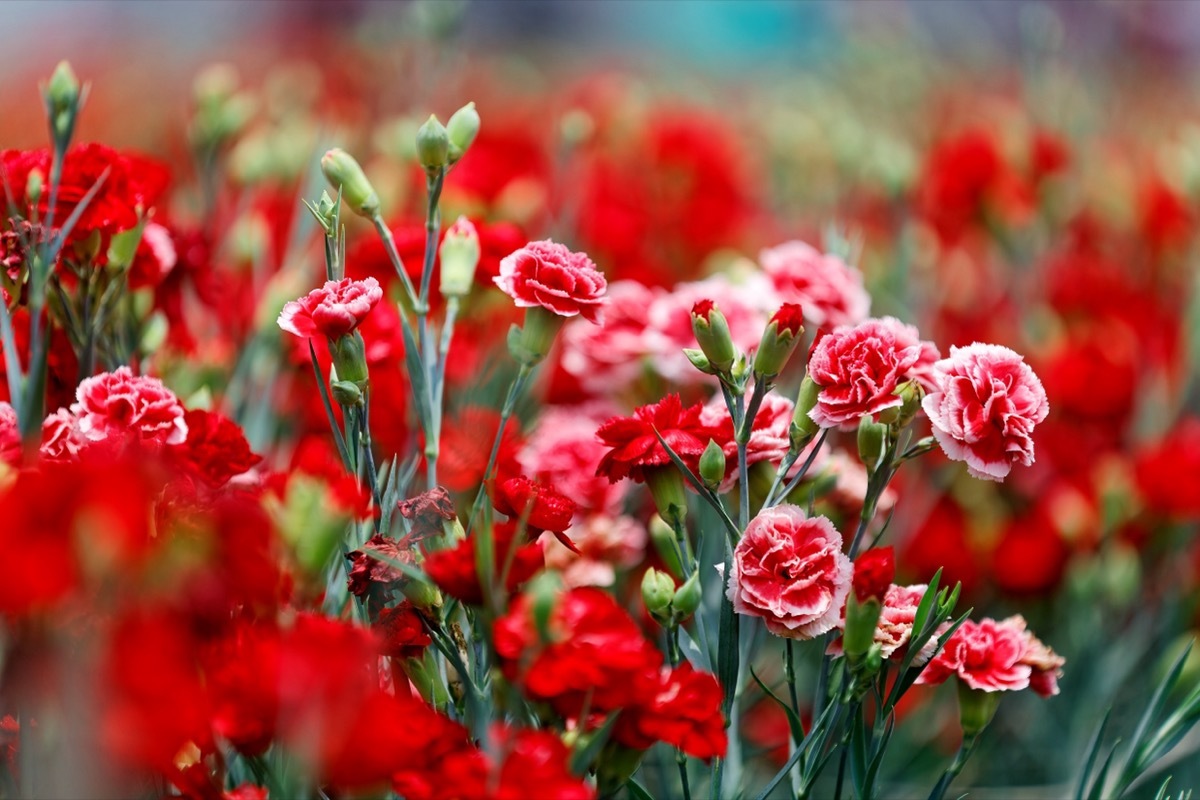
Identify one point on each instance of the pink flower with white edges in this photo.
(334, 310)
(829, 290)
(549, 275)
(1046, 664)
(986, 655)
(10, 436)
(121, 403)
(858, 369)
(62, 440)
(922, 370)
(985, 408)
(790, 570)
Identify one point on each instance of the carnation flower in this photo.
(456, 570)
(603, 544)
(607, 358)
(829, 290)
(634, 448)
(987, 655)
(858, 370)
(563, 451)
(333, 311)
(121, 403)
(216, 450)
(548, 275)
(986, 405)
(10, 435)
(427, 512)
(401, 632)
(873, 573)
(907, 336)
(790, 570)
(371, 579)
(895, 626)
(684, 711)
(1046, 665)
(540, 507)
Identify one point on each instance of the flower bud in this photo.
(433, 145)
(862, 617)
(699, 360)
(658, 589)
(910, 394)
(874, 572)
(666, 486)
(344, 173)
(779, 340)
(459, 256)
(62, 91)
(712, 465)
(712, 333)
(663, 539)
(461, 130)
(872, 438)
(975, 708)
(803, 429)
(325, 211)
(687, 597)
(422, 594)
(33, 186)
(350, 359)
(346, 393)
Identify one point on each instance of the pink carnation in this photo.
(790, 570)
(607, 359)
(10, 435)
(922, 370)
(986, 405)
(986, 655)
(828, 289)
(564, 452)
(123, 403)
(606, 544)
(1045, 663)
(549, 275)
(858, 370)
(334, 310)
(62, 440)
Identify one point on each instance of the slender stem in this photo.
(799, 476)
(965, 749)
(789, 674)
(389, 246)
(364, 424)
(789, 459)
(687, 561)
(510, 402)
(428, 358)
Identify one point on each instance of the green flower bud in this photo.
(658, 589)
(663, 539)
(803, 429)
(346, 393)
(63, 89)
(666, 486)
(459, 255)
(699, 360)
(325, 211)
(422, 594)
(778, 341)
(543, 591)
(712, 465)
(861, 620)
(910, 394)
(344, 173)
(33, 186)
(712, 333)
(975, 708)
(461, 130)
(349, 359)
(433, 145)
(687, 597)
(872, 442)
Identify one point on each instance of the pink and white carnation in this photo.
(563, 451)
(858, 369)
(549, 275)
(789, 569)
(334, 310)
(907, 336)
(10, 436)
(607, 543)
(987, 655)
(1046, 664)
(984, 410)
(62, 439)
(830, 291)
(120, 403)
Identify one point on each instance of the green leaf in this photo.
(794, 723)
(637, 792)
(1093, 752)
(333, 426)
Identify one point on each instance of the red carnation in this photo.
(456, 570)
(333, 311)
(874, 572)
(540, 507)
(635, 448)
(683, 711)
(216, 450)
(401, 632)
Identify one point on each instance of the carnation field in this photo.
(516, 400)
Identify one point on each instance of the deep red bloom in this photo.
(595, 656)
(427, 511)
(401, 633)
(874, 572)
(216, 450)
(455, 570)
(702, 308)
(1168, 473)
(540, 507)
(242, 674)
(683, 711)
(635, 448)
(372, 579)
(132, 186)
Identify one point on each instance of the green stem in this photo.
(965, 749)
(510, 403)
